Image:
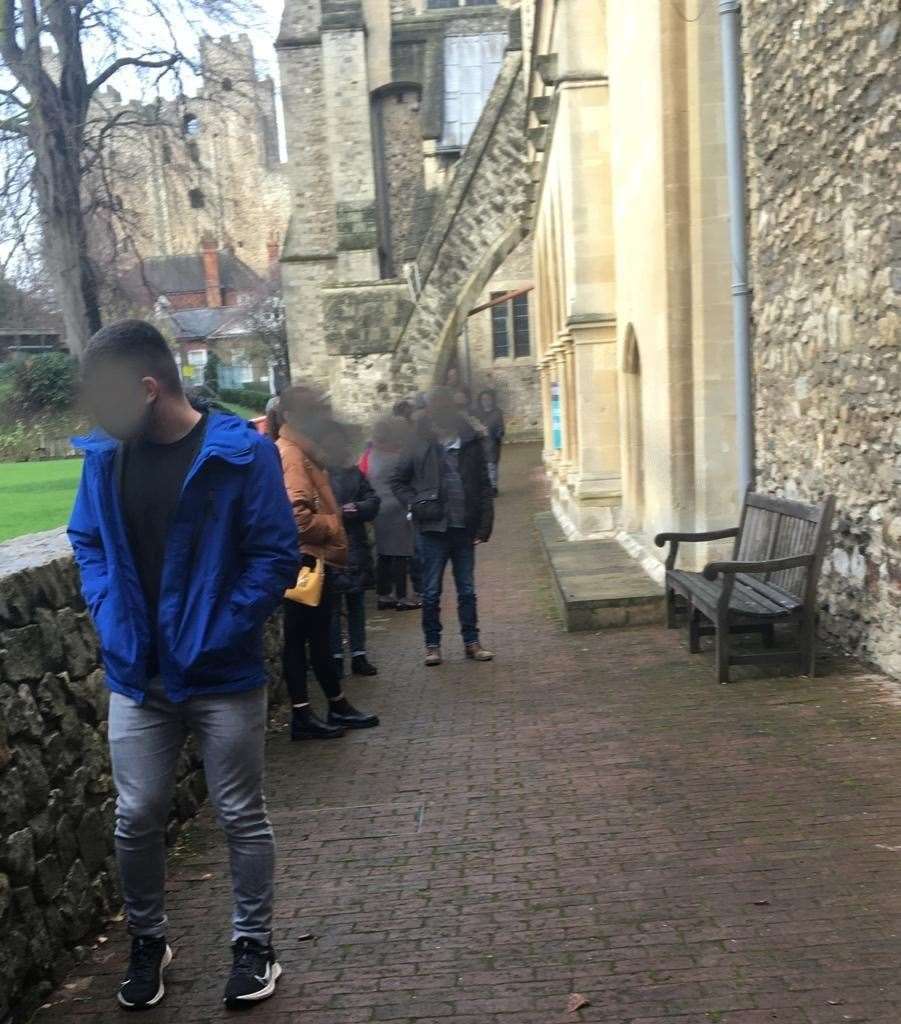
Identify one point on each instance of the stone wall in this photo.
(822, 124)
(57, 872)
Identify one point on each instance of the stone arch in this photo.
(480, 221)
(633, 433)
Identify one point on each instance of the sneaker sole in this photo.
(167, 959)
(255, 997)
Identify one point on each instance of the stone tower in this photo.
(202, 166)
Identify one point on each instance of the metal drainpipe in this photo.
(730, 36)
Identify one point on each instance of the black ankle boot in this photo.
(343, 714)
(307, 725)
(362, 667)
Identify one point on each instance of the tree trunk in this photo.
(58, 186)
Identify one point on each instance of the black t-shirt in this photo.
(152, 479)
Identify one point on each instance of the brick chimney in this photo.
(210, 257)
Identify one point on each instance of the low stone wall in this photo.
(57, 871)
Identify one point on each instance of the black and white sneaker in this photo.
(143, 985)
(254, 974)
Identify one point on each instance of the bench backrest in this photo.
(779, 528)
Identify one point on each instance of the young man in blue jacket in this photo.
(186, 542)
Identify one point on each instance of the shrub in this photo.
(252, 398)
(45, 381)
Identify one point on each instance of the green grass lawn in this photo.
(36, 496)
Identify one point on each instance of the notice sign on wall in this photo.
(556, 417)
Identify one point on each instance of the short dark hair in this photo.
(138, 344)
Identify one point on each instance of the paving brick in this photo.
(589, 813)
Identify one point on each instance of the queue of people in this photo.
(190, 529)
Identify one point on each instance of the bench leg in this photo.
(722, 652)
(809, 646)
(671, 622)
(694, 630)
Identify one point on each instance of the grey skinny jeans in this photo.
(145, 743)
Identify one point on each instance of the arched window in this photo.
(190, 125)
(227, 85)
(196, 198)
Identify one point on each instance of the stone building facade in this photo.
(409, 193)
(632, 269)
(205, 166)
(822, 88)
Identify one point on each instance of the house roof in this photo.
(221, 322)
(174, 275)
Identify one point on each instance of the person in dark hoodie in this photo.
(359, 505)
(492, 418)
(185, 541)
(443, 481)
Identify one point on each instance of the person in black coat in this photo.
(359, 505)
(443, 482)
(489, 412)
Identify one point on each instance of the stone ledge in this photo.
(596, 584)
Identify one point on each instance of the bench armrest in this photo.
(675, 538)
(713, 569)
(662, 538)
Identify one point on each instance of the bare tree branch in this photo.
(134, 62)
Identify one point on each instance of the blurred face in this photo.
(486, 402)
(444, 414)
(120, 401)
(335, 448)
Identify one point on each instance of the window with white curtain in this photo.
(471, 67)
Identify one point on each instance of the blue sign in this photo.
(556, 417)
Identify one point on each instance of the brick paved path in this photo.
(590, 813)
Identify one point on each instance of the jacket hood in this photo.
(227, 437)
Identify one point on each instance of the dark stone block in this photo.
(35, 781)
(78, 657)
(19, 711)
(66, 842)
(12, 801)
(76, 903)
(92, 839)
(50, 637)
(48, 877)
(18, 855)
(24, 657)
(15, 602)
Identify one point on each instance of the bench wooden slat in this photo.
(771, 591)
(785, 506)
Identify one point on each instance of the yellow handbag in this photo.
(308, 588)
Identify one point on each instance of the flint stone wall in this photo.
(822, 127)
(58, 881)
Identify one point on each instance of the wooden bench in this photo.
(778, 555)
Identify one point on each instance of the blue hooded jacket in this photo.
(231, 552)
